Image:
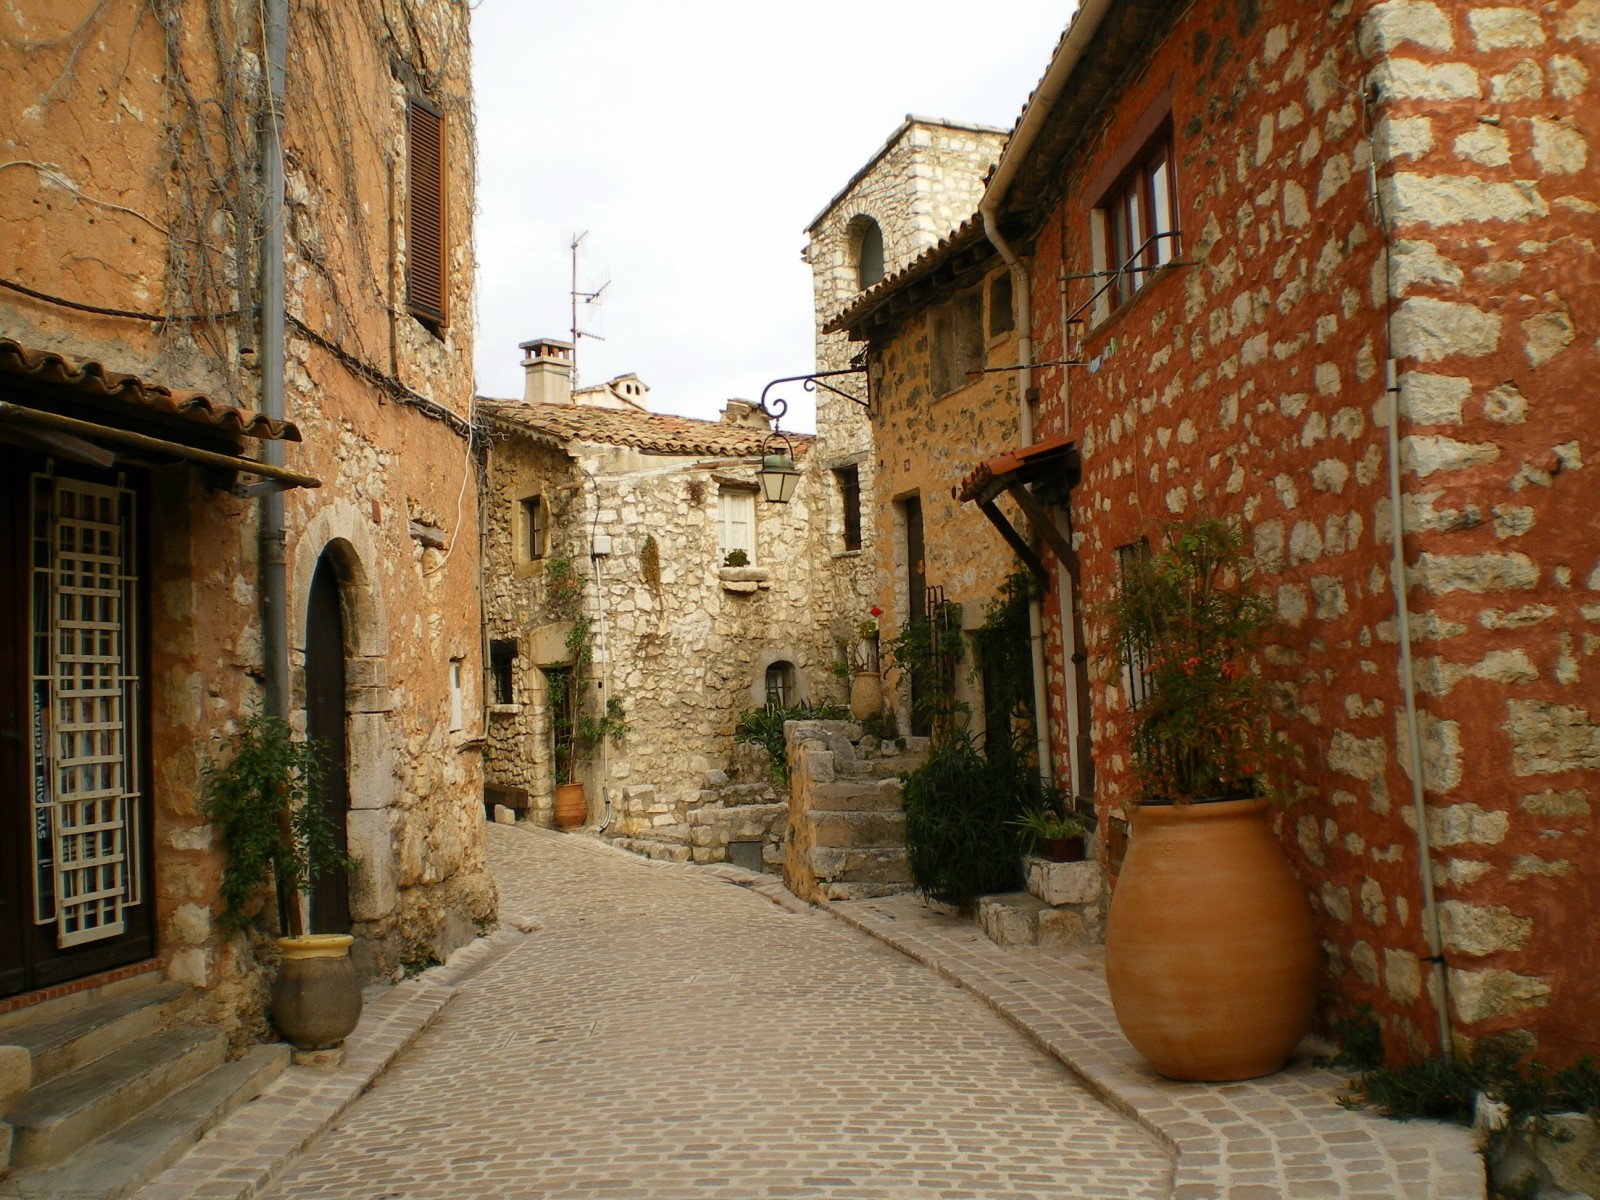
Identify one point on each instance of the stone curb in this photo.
(240, 1157)
(1257, 1140)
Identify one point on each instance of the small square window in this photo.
(956, 343)
(535, 532)
(1001, 317)
(502, 663)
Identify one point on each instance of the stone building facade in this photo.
(644, 507)
(133, 232)
(1327, 202)
(912, 193)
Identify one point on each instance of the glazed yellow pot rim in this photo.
(316, 945)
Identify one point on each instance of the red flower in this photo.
(875, 611)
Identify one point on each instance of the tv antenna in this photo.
(587, 298)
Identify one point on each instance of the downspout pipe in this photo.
(1088, 18)
(273, 581)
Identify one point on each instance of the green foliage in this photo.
(1049, 821)
(265, 802)
(1189, 613)
(929, 649)
(960, 806)
(764, 727)
(650, 563)
(591, 729)
(1360, 1041)
(1448, 1089)
(418, 957)
(563, 597)
(736, 558)
(1004, 652)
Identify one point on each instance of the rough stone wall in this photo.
(102, 108)
(925, 182)
(685, 644)
(924, 446)
(1251, 382)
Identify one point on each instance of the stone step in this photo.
(844, 890)
(876, 768)
(872, 864)
(660, 851)
(737, 814)
(116, 1164)
(864, 796)
(858, 830)
(61, 1040)
(57, 1117)
(1022, 919)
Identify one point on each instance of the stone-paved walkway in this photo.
(1264, 1139)
(659, 1033)
(666, 1035)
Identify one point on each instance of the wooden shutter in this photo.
(425, 227)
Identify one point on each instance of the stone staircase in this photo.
(1065, 905)
(117, 1087)
(846, 837)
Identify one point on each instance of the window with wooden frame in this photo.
(535, 532)
(849, 481)
(426, 290)
(736, 523)
(955, 343)
(1134, 226)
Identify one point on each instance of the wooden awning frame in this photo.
(1012, 474)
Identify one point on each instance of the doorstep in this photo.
(1263, 1139)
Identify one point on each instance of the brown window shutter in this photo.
(425, 228)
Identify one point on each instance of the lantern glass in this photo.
(778, 477)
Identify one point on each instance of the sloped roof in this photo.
(650, 433)
(94, 381)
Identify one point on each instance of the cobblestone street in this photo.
(664, 1034)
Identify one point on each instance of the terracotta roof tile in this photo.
(92, 379)
(652, 433)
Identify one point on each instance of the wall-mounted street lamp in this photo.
(779, 475)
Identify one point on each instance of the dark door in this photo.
(325, 722)
(75, 811)
(917, 610)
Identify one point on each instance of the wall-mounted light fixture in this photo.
(779, 475)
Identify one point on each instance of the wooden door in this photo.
(325, 722)
(75, 813)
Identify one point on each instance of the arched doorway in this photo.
(325, 722)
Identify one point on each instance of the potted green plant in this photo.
(577, 730)
(1210, 958)
(1052, 834)
(264, 800)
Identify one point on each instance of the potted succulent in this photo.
(1051, 834)
(264, 799)
(1210, 958)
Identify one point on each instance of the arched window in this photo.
(869, 252)
(780, 685)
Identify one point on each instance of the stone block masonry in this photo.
(1358, 185)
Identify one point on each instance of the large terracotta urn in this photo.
(1210, 956)
(316, 999)
(571, 805)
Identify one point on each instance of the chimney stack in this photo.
(548, 364)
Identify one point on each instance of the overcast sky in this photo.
(695, 140)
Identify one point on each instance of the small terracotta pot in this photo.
(316, 999)
(571, 805)
(1210, 957)
(866, 694)
(1069, 849)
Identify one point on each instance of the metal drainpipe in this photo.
(1020, 283)
(273, 584)
(1066, 57)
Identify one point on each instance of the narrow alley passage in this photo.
(662, 1033)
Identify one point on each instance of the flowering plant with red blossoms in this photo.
(1188, 622)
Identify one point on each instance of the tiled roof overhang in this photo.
(111, 393)
(958, 260)
(1119, 44)
(649, 433)
(1019, 474)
